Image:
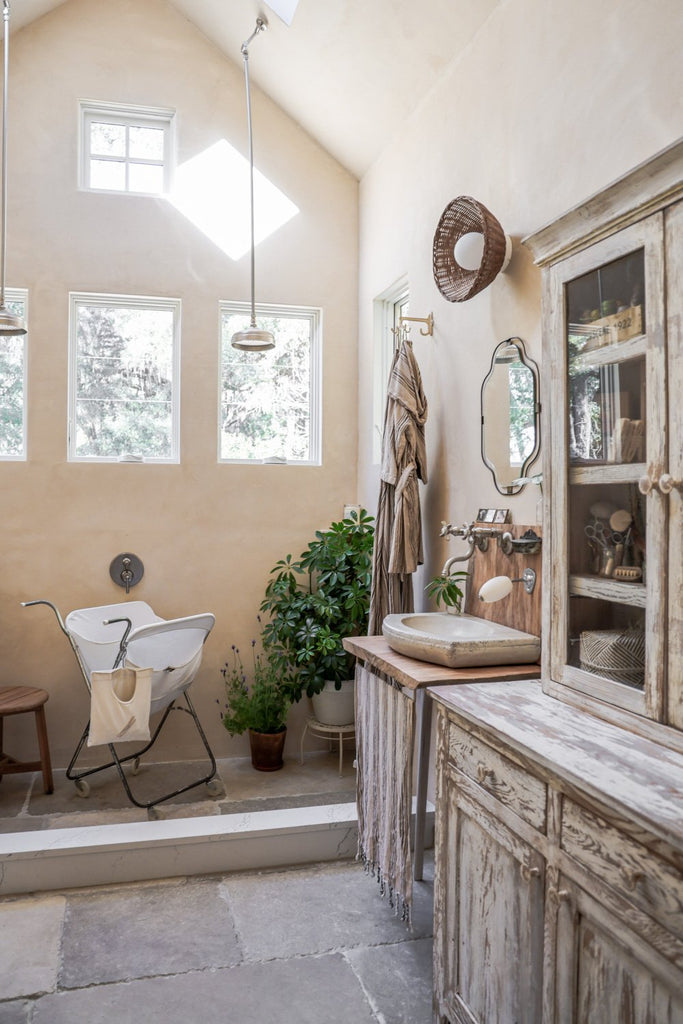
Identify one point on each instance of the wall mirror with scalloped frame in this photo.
(510, 415)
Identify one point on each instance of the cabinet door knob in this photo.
(667, 483)
(558, 895)
(528, 873)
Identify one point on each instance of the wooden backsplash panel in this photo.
(519, 609)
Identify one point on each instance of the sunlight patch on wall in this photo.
(212, 191)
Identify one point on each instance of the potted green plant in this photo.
(258, 707)
(445, 588)
(313, 602)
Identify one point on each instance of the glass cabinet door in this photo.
(608, 427)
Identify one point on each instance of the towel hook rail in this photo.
(429, 320)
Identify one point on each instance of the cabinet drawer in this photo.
(642, 876)
(512, 785)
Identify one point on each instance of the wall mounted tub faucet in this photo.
(126, 570)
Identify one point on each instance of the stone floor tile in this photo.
(317, 781)
(311, 990)
(397, 980)
(274, 803)
(107, 792)
(171, 810)
(22, 823)
(141, 931)
(316, 910)
(14, 790)
(15, 1012)
(85, 818)
(30, 934)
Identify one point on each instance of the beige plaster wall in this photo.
(207, 533)
(553, 100)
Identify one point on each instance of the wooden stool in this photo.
(19, 700)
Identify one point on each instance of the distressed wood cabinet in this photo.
(559, 865)
(559, 817)
(613, 475)
(490, 885)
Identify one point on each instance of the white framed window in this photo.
(389, 307)
(13, 367)
(270, 402)
(126, 149)
(124, 378)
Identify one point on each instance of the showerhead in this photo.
(10, 323)
(253, 340)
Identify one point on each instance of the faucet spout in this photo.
(450, 562)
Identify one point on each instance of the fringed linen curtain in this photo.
(384, 742)
(384, 715)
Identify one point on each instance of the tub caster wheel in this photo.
(82, 788)
(134, 766)
(215, 787)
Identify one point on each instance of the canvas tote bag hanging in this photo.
(119, 705)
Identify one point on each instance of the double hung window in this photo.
(124, 378)
(270, 401)
(13, 352)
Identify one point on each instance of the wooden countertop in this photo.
(414, 674)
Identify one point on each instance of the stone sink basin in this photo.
(458, 641)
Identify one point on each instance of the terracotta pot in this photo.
(266, 750)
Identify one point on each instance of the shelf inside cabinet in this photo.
(608, 473)
(605, 355)
(604, 589)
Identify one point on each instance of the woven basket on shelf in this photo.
(461, 216)
(617, 654)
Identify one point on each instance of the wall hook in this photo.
(429, 320)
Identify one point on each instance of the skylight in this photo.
(284, 9)
(212, 191)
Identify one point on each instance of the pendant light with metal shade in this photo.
(252, 339)
(10, 323)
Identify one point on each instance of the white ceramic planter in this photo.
(334, 707)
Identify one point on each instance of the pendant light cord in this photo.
(261, 25)
(245, 54)
(3, 203)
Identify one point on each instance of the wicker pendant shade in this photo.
(462, 216)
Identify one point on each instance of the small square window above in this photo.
(126, 149)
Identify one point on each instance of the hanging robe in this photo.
(398, 526)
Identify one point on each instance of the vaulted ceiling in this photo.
(349, 71)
